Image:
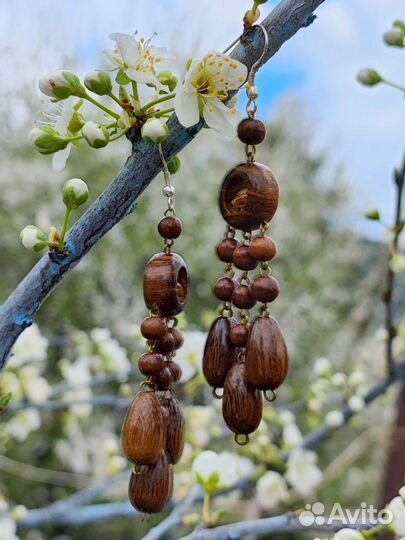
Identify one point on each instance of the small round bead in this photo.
(239, 334)
(226, 248)
(242, 297)
(169, 191)
(262, 248)
(251, 131)
(169, 227)
(223, 288)
(151, 364)
(242, 259)
(177, 336)
(175, 369)
(153, 328)
(265, 289)
(164, 345)
(165, 379)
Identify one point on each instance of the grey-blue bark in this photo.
(141, 168)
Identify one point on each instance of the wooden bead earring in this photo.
(248, 361)
(153, 430)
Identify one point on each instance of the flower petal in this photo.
(220, 117)
(186, 106)
(224, 72)
(59, 159)
(123, 41)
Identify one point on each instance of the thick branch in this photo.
(141, 168)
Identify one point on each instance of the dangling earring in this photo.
(153, 430)
(242, 358)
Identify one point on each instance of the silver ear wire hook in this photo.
(257, 64)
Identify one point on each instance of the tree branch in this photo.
(142, 166)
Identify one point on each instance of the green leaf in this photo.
(4, 401)
(122, 77)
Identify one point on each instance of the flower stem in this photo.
(394, 85)
(135, 91)
(119, 136)
(114, 97)
(206, 509)
(64, 227)
(160, 113)
(369, 533)
(156, 101)
(101, 106)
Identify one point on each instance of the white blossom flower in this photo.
(31, 346)
(61, 85)
(314, 405)
(139, 60)
(114, 358)
(23, 423)
(356, 378)
(302, 471)
(356, 403)
(200, 421)
(322, 366)
(154, 131)
(190, 354)
(338, 379)
(348, 534)
(205, 88)
(271, 490)
(35, 387)
(75, 192)
(217, 471)
(292, 435)
(8, 528)
(78, 374)
(397, 507)
(334, 418)
(99, 82)
(394, 37)
(368, 77)
(96, 134)
(402, 493)
(32, 238)
(19, 512)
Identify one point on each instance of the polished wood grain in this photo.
(143, 433)
(239, 334)
(266, 354)
(265, 289)
(251, 131)
(242, 297)
(226, 248)
(175, 430)
(153, 327)
(175, 369)
(224, 287)
(177, 336)
(165, 379)
(151, 364)
(166, 284)
(262, 248)
(151, 489)
(242, 404)
(165, 345)
(249, 196)
(170, 227)
(219, 353)
(243, 260)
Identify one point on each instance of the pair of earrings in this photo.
(241, 358)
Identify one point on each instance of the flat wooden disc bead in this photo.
(239, 334)
(224, 287)
(249, 195)
(165, 284)
(170, 227)
(265, 289)
(242, 297)
(226, 248)
(251, 131)
(243, 260)
(153, 328)
(262, 248)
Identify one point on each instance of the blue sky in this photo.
(363, 129)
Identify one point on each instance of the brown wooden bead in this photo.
(165, 379)
(170, 227)
(226, 248)
(266, 354)
(251, 131)
(243, 260)
(239, 334)
(242, 405)
(265, 289)
(175, 430)
(242, 297)
(153, 327)
(151, 489)
(151, 364)
(219, 353)
(177, 336)
(249, 195)
(224, 287)
(175, 369)
(143, 434)
(164, 345)
(262, 248)
(166, 284)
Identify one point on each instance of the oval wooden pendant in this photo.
(219, 353)
(242, 404)
(175, 430)
(151, 488)
(266, 354)
(249, 196)
(143, 433)
(166, 284)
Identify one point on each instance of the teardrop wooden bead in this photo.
(153, 327)
(166, 284)
(151, 364)
(226, 248)
(219, 353)
(249, 196)
(242, 404)
(175, 369)
(242, 297)
(175, 430)
(165, 345)
(262, 248)
(151, 489)
(143, 430)
(177, 336)
(266, 354)
(242, 259)
(170, 227)
(265, 289)
(224, 287)
(251, 131)
(239, 334)
(165, 379)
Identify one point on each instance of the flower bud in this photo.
(174, 165)
(154, 131)
(168, 78)
(373, 214)
(394, 37)
(75, 192)
(76, 122)
(61, 85)
(95, 134)
(33, 238)
(369, 77)
(99, 82)
(47, 140)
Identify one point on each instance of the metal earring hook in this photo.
(257, 64)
